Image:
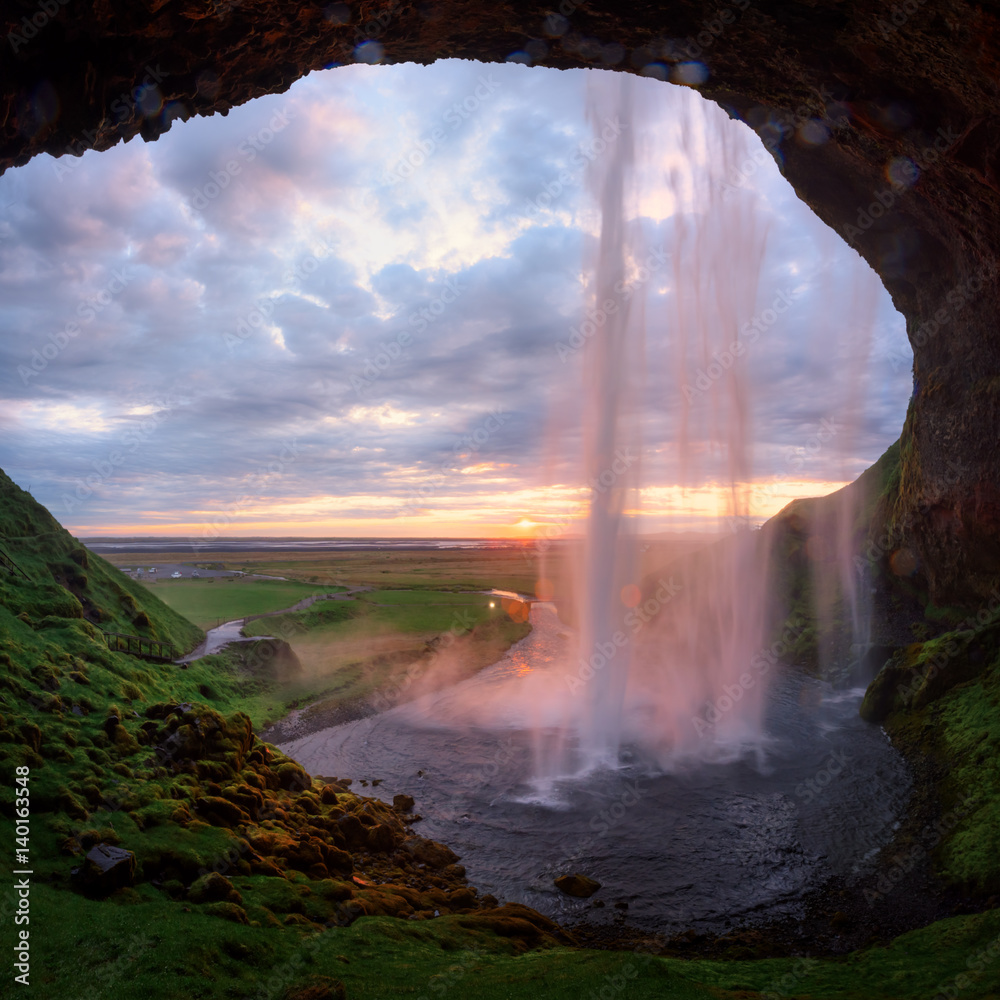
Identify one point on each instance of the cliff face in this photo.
(882, 118)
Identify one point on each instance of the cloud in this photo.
(376, 270)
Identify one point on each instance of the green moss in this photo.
(968, 721)
(66, 582)
(157, 948)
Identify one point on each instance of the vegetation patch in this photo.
(217, 599)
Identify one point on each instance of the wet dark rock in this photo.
(382, 838)
(355, 834)
(106, 869)
(580, 886)
(430, 852)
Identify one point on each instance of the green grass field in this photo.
(518, 567)
(211, 601)
(394, 612)
(429, 611)
(351, 649)
(146, 946)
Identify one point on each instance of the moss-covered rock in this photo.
(213, 888)
(227, 911)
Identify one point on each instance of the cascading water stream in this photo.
(610, 447)
(653, 684)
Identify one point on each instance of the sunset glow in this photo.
(562, 511)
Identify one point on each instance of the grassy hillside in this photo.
(66, 581)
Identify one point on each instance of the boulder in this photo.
(214, 888)
(579, 886)
(382, 839)
(228, 911)
(430, 853)
(355, 834)
(106, 869)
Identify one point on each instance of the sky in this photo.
(349, 310)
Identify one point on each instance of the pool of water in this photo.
(685, 843)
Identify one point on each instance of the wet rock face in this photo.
(883, 118)
(580, 886)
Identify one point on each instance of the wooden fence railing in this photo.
(12, 567)
(137, 645)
